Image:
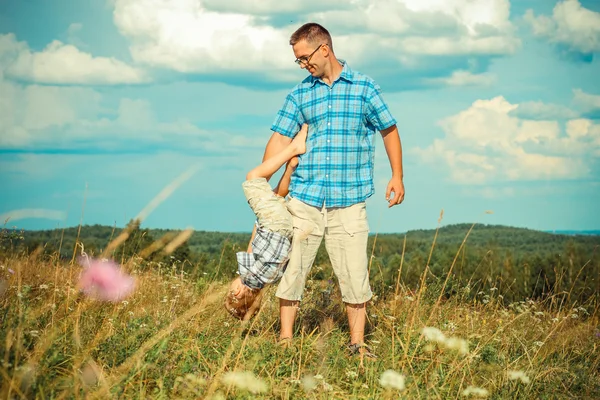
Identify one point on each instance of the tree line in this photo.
(476, 260)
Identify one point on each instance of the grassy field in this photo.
(173, 339)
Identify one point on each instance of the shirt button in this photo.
(328, 141)
(327, 158)
(326, 176)
(329, 106)
(329, 124)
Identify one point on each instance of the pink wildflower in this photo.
(104, 280)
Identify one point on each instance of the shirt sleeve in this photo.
(289, 118)
(378, 113)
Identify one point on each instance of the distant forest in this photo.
(515, 263)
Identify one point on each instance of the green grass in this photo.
(173, 339)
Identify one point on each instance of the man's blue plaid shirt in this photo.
(337, 168)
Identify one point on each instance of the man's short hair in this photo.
(312, 33)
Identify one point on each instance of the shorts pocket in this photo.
(355, 220)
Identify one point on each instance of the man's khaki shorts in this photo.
(270, 209)
(346, 233)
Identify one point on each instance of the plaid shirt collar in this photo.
(346, 75)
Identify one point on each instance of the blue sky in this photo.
(497, 102)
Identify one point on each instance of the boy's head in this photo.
(241, 301)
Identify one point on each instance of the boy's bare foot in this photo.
(299, 141)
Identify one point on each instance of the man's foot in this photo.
(362, 350)
(285, 343)
(299, 141)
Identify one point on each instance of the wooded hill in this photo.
(518, 262)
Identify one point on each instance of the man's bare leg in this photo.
(357, 316)
(287, 315)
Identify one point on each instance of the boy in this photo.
(267, 255)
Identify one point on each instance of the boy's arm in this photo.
(282, 188)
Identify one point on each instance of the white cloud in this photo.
(486, 143)
(543, 111)
(69, 118)
(61, 63)
(194, 36)
(571, 25)
(25, 213)
(466, 78)
(587, 102)
(266, 7)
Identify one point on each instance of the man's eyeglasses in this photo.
(306, 59)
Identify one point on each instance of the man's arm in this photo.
(276, 144)
(393, 148)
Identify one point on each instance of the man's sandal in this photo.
(361, 349)
(285, 342)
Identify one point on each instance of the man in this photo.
(329, 187)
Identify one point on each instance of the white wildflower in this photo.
(390, 317)
(433, 334)
(43, 287)
(390, 379)
(364, 386)
(245, 380)
(351, 374)
(475, 391)
(518, 375)
(538, 343)
(457, 344)
(319, 377)
(538, 314)
(34, 333)
(409, 298)
(555, 320)
(327, 387)
(451, 326)
(493, 289)
(309, 383)
(124, 302)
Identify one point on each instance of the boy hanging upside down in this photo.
(267, 254)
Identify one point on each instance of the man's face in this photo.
(310, 56)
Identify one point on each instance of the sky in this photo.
(113, 109)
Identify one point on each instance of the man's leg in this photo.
(346, 242)
(308, 233)
(287, 313)
(357, 316)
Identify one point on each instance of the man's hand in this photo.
(393, 148)
(395, 186)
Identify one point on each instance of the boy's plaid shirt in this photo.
(337, 168)
(267, 261)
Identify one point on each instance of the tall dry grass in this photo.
(173, 339)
